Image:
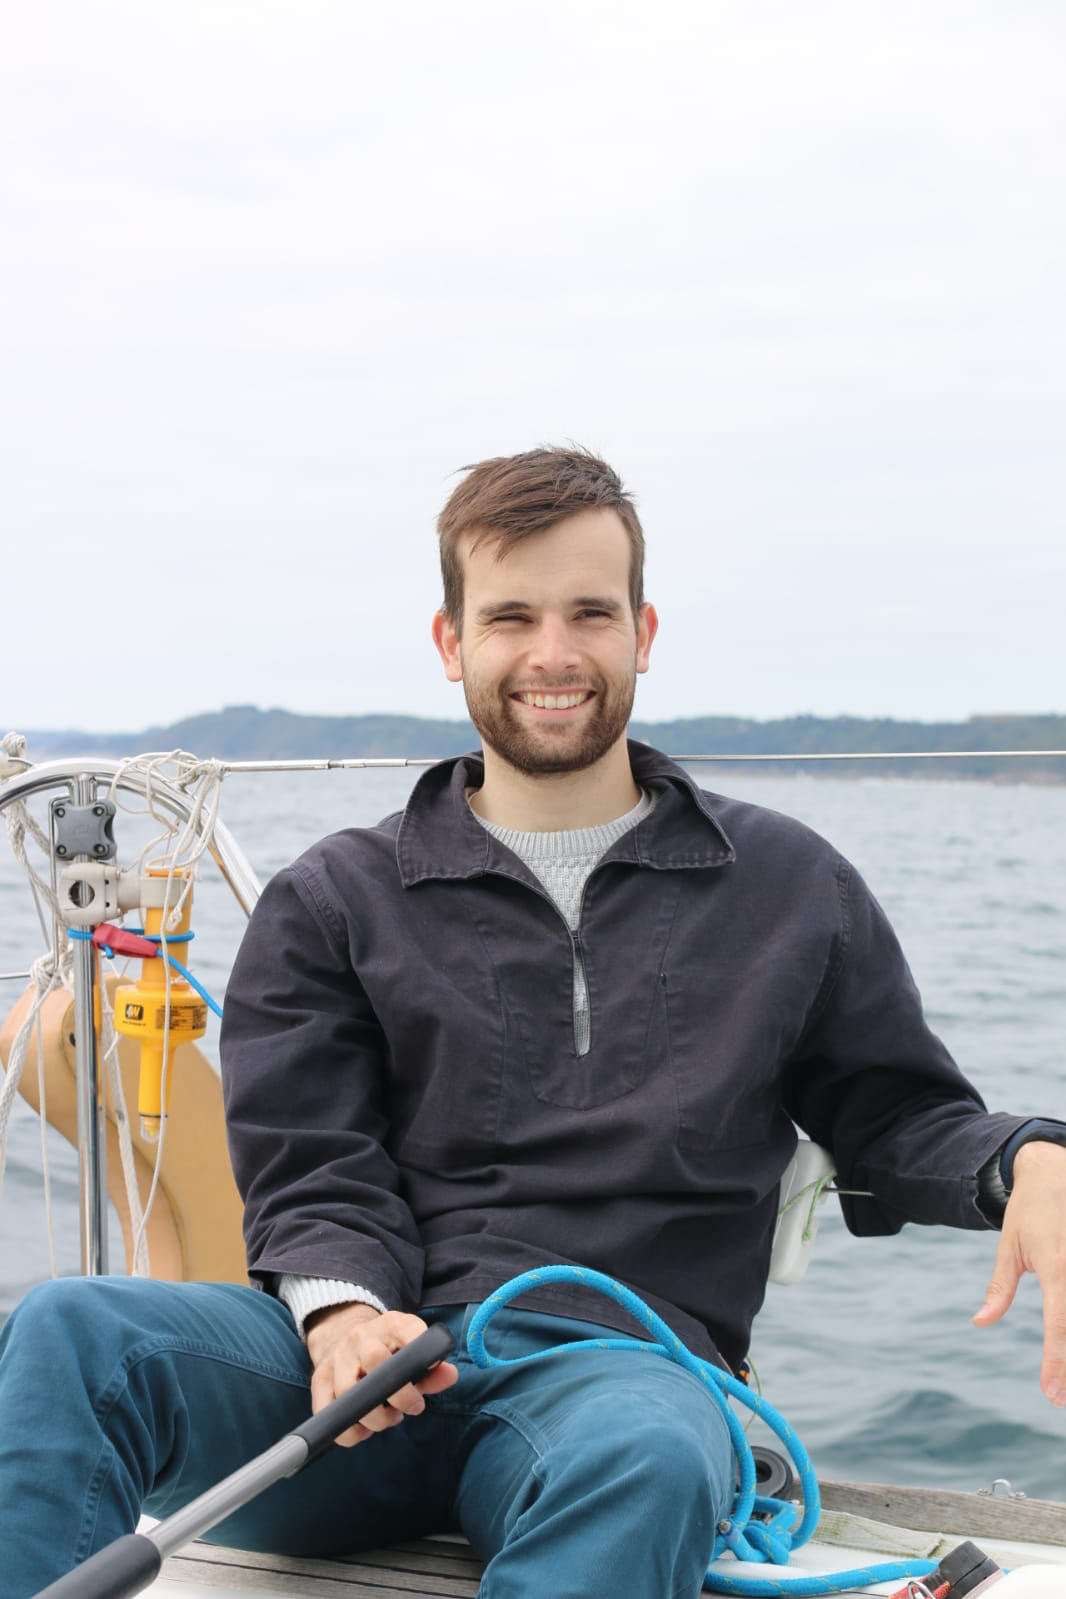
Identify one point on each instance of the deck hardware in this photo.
(774, 1478)
(92, 892)
(84, 830)
(89, 893)
(1000, 1489)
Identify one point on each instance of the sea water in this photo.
(872, 1356)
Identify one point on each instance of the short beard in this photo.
(540, 754)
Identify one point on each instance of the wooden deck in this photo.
(417, 1570)
(444, 1569)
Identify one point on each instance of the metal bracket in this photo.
(91, 892)
(84, 830)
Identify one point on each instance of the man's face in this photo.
(549, 647)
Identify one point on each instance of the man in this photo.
(565, 1008)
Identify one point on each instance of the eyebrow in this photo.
(595, 602)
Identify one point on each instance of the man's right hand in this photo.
(347, 1341)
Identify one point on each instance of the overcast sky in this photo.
(271, 272)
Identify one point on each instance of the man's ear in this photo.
(446, 639)
(647, 627)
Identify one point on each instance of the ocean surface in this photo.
(872, 1357)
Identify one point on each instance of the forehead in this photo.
(587, 553)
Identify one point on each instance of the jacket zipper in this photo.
(578, 959)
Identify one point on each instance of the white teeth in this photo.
(553, 702)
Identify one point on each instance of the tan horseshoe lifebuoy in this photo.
(194, 1229)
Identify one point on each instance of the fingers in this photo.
(999, 1295)
(1034, 1240)
(360, 1349)
(1053, 1368)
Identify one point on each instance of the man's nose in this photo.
(554, 647)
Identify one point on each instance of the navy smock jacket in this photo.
(407, 1110)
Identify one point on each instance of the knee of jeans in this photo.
(682, 1465)
(69, 1312)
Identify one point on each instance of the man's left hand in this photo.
(1033, 1238)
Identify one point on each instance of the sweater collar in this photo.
(439, 837)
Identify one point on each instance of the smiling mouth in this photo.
(555, 702)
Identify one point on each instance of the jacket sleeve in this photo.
(874, 1084)
(303, 1060)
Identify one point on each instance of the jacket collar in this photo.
(439, 836)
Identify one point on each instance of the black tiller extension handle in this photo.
(408, 1364)
(129, 1564)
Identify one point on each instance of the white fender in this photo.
(791, 1251)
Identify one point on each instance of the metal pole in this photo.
(92, 1147)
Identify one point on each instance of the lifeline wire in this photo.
(771, 1540)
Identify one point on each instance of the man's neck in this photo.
(558, 800)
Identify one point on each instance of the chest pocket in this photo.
(621, 954)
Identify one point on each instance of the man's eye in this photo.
(592, 612)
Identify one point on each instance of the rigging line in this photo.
(384, 762)
(46, 1170)
(881, 755)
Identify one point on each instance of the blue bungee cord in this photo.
(784, 1529)
(172, 960)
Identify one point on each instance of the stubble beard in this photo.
(554, 748)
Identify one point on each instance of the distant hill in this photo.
(244, 732)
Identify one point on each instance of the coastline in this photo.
(807, 746)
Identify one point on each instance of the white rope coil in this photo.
(12, 755)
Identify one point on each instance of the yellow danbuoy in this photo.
(141, 1013)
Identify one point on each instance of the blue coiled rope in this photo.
(771, 1540)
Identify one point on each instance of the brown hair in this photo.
(512, 497)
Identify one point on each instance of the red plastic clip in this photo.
(120, 942)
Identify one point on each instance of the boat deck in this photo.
(878, 1522)
(416, 1570)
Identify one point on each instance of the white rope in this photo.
(140, 1265)
(140, 1246)
(46, 1170)
(50, 972)
(177, 850)
(168, 977)
(20, 823)
(12, 755)
(185, 844)
(46, 974)
(201, 782)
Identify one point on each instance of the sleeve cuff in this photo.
(992, 1192)
(302, 1295)
(1036, 1131)
(996, 1177)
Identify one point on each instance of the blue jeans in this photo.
(583, 1476)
